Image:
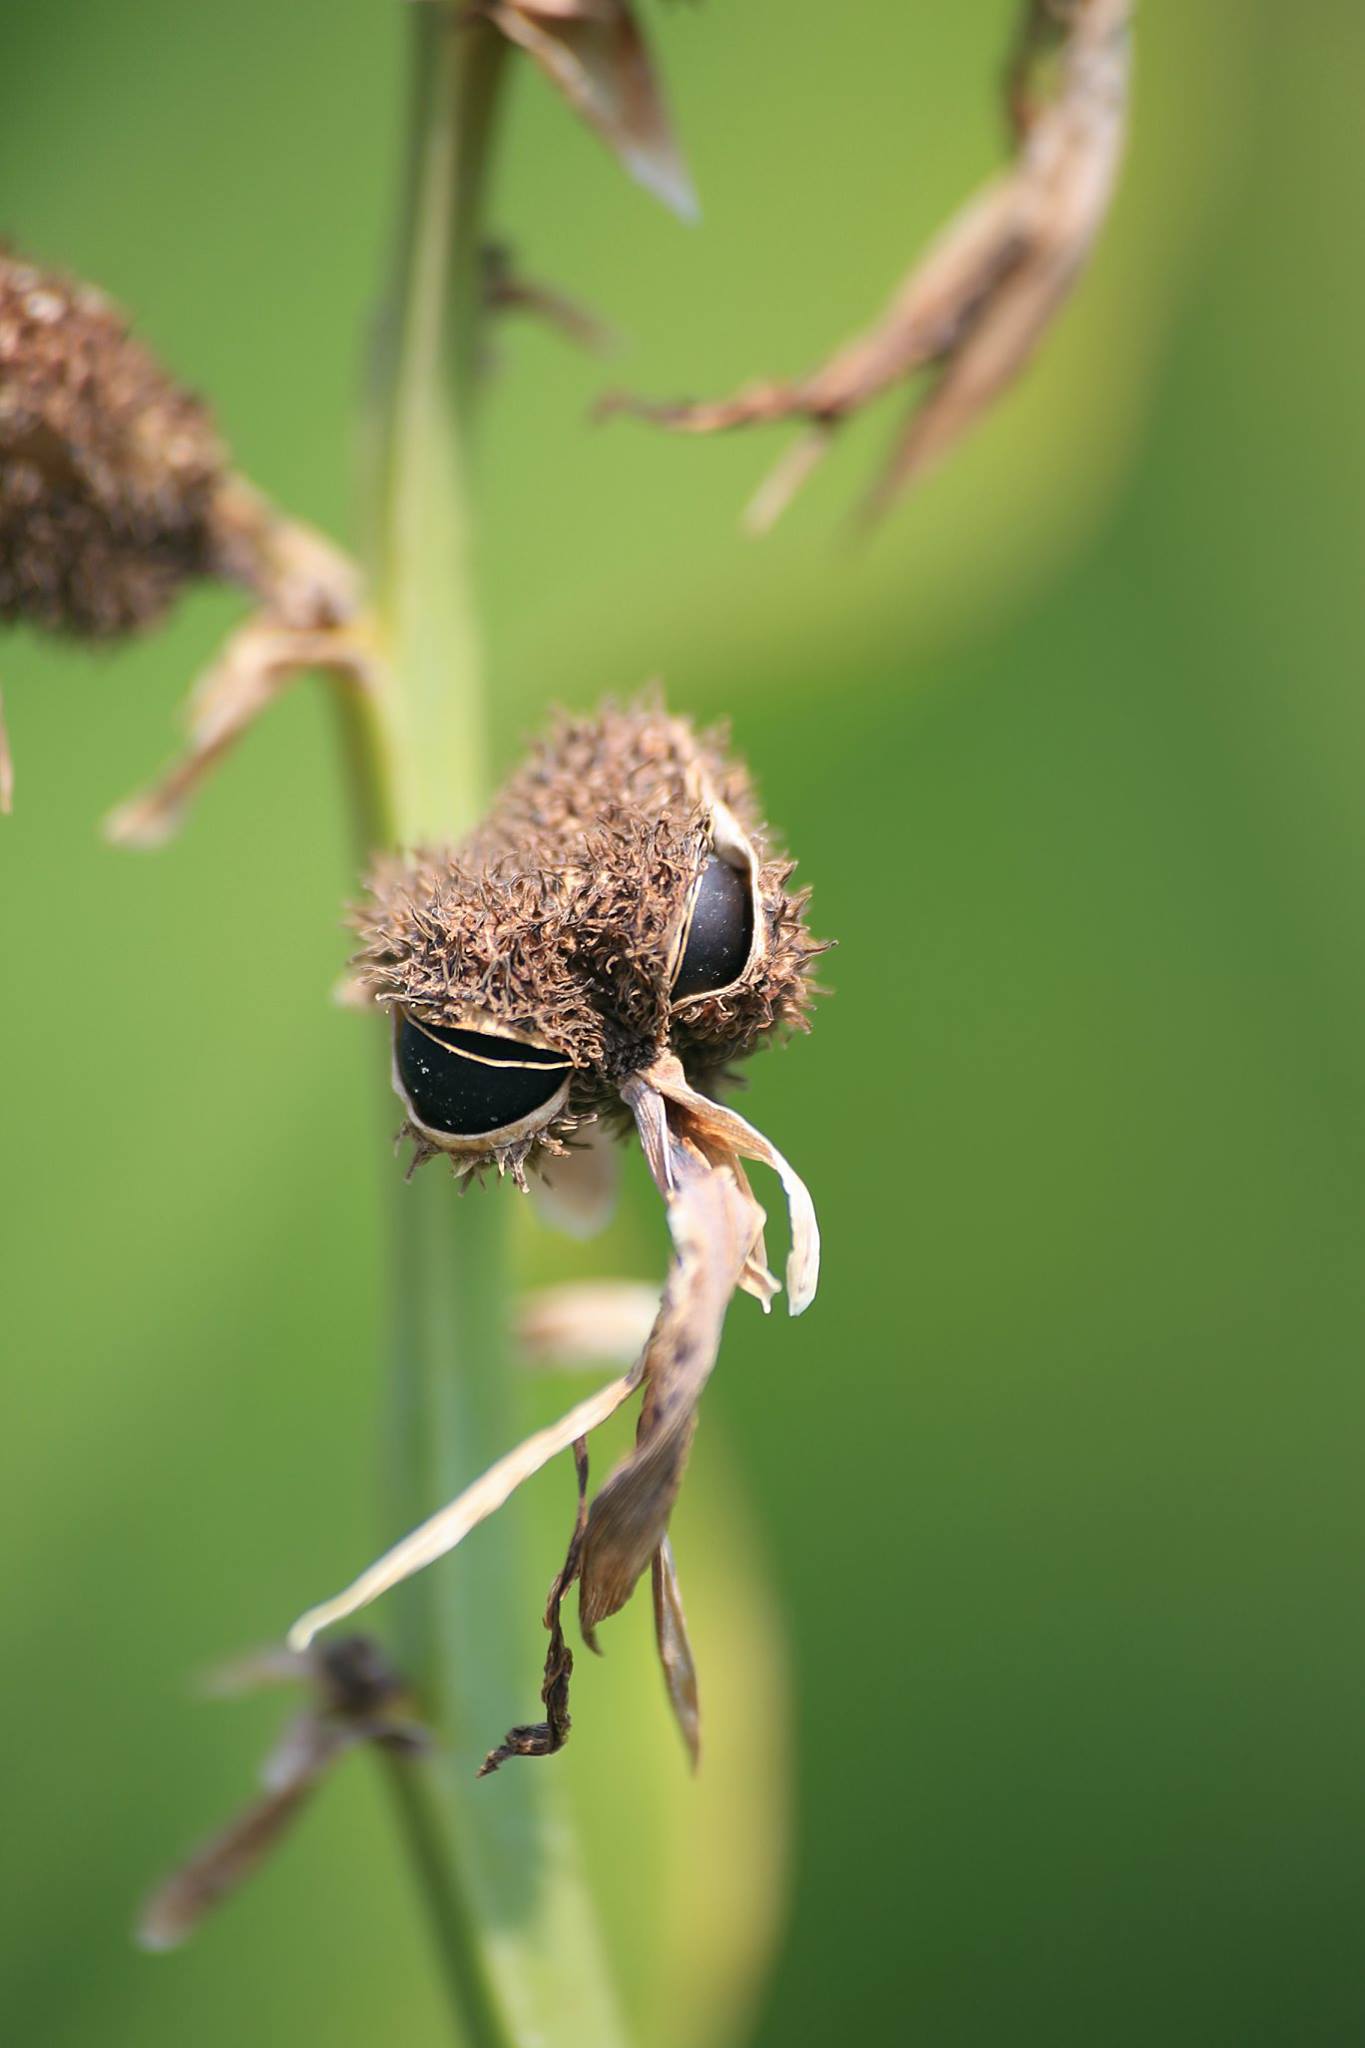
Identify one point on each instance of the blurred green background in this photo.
(1055, 1495)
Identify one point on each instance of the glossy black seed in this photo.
(469, 1097)
(722, 935)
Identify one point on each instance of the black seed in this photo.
(469, 1097)
(722, 934)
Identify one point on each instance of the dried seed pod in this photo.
(582, 927)
(116, 491)
(602, 948)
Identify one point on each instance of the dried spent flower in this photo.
(357, 1698)
(116, 492)
(593, 53)
(599, 952)
(976, 305)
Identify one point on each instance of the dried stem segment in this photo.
(975, 307)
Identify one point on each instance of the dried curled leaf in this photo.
(980, 299)
(594, 54)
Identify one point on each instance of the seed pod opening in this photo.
(718, 936)
(464, 1088)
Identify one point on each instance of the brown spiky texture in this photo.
(115, 491)
(109, 471)
(559, 917)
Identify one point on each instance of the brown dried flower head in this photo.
(109, 472)
(601, 949)
(116, 491)
(620, 901)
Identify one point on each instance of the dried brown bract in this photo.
(593, 53)
(116, 492)
(599, 951)
(357, 1699)
(975, 306)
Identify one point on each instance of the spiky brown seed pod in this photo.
(576, 920)
(110, 473)
(601, 948)
(116, 491)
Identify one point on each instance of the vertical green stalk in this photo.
(495, 1859)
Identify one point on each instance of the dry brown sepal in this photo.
(595, 56)
(976, 305)
(357, 1699)
(717, 1231)
(116, 493)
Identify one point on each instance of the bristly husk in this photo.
(116, 491)
(557, 918)
(975, 307)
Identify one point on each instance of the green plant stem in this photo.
(495, 1860)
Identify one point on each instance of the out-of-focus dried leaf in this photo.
(675, 1651)
(586, 1322)
(357, 1699)
(257, 665)
(988, 287)
(594, 54)
(575, 1190)
(218, 1867)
